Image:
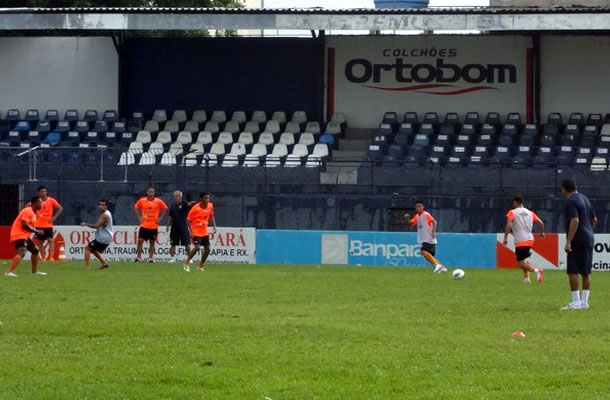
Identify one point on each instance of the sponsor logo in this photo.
(359, 248)
(601, 266)
(602, 247)
(437, 78)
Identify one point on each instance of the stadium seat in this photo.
(441, 140)
(245, 138)
(259, 117)
(572, 129)
(176, 149)
(438, 152)
(252, 127)
(550, 129)
(93, 138)
(266, 138)
(191, 126)
(238, 149)
(488, 129)
(219, 116)
(584, 152)
(239, 117)
(293, 161)
(502, 152)
(193, 159)
(71, 116)
(13, 116)
(555, 119)
(464, 140)
(588, 140)
(406, 129)
(212, 126)
(308, 139)
(136, 147)
(390, 118)
(313, 127)
(143, 136)
(472, 118)
(481, 151)
(506, 140)
(272, 127)
(259, 150)
(179, 116)
(232, 127)
(147, 158)
(118, 127)
(300, 150)
(287, 139)
(565, 155)
(514, 118)
(280, 150)
(447, 130)
(159, 115)
(110, 116)
(82, 127)
(595, 120)
(601, 152)
(197, 148)
(468, 129)
(292, 127)
(374, 152)
(426, 129)
(230, 160)
(156, 148)
(73, 138)
(184, 137)
(396, 151)
(164, 137)
(134, 125)
(385, 130)
(599, 164)
(577, 119)
(321, 150)
(460, 152)
(205, 138)
(200, 116)
(493, 119)
(279, 116)
(548, 140)
(52, 116)
(225, 138)
(604, 141)
(333, 128)
(151, 126)
(401, 140)
(218, 148)
(32, 117)
(300, 117)
(100, 127)
(91, 117)
(168, 159)
(519, 161)
(568, 139)
(127, 158)
(109, 138)
(605, 131)
(339, 118)
(52, 139)
(590, 130)
(581, 163)
(421, 140)
(431, 118)
(252, 160)
(411, 118)
(272, 161)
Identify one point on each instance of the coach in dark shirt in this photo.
(179, 234)
(580, 222)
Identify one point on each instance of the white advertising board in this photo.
(601, 252)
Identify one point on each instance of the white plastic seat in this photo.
(190, 160)
(196, 148)
(164, 137)
(272, 126)
(252, 126)
(218, 148)
(127, 158)
(230, 160)
(245, 138)
(168, 159)
(200, 116)
(239, 117)
(151, 126)
(300, 117)
(136, 148)
(300, 150)
(192, 126)
(219, 116)
(280, 150)
(287, 138)
(259, 150)
(209, 160)
(272, 161)
(266, 138)
(279, 116)
(252, 160)
(148, 158)
(313, 127)
(292, 161)
(159, 116)
(333, 128)
(225, 138)
(179, 116)
(605, 130)
(320, 150)
(143, 137)
(598, 164)
(313, 161)
(205, 137)
(307, 138)
(259, 116)
(238, 149)
(156, 148)
(339, 118)
(176, 149)
(184, 137)
(211, 126)
(293, 127)
(171, 126)
(232, 126)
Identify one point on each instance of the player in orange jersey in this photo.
(150, 211)
(520, 222)
(426, 234)
(198, 219)
(21, 232)
(45, 217)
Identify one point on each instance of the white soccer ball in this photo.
(458, 274)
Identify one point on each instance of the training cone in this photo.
(518, 334)
(60, 248)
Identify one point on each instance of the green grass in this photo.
(140, 331)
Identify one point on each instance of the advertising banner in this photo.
(601, 252)
(545, 253)
(228, 245)
(374, 74)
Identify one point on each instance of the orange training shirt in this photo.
(150, 211)
(44, 216)
(17, 231)
(200, 218)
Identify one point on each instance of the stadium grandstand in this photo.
(324, 132)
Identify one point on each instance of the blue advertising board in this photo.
(372, 248)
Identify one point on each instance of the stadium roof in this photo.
(476, 18)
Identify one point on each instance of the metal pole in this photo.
(102, 164)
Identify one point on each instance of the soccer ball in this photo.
(458, 274)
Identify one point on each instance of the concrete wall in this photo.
(58, 73)
(548, 3)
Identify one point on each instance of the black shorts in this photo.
(580, 260)
(201, 240)
(47, 233)
(148, 234)
(429, 247)
(97, 246)
(179, 237)
(523, 252)
(28, 244)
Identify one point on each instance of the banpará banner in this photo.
(228, 245)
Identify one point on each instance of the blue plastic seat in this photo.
(72, 117)
(406, 129)
(53, 139)
(13, 116)
(110, 116)
(401, 140)
(421, 140)
(22, 126)
(101, 126)
(327, 139)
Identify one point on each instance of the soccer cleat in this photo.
(40, 273)
(186, 268)
(527, 280)
(200, 269)
(150, 260)
(439, 269)
(572, 306)
(584, 306)
(540, 275)
(105, 266)
(10, 274)
(138, 260)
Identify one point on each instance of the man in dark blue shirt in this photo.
(179, 234)
(580, 221)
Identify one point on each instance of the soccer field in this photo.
(151, 331)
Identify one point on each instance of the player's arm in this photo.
(573, 227)
(507, 229)
(25, 225)
(433, 226)
(409, 220)
(169, 221)
(539, 222)
(214, 223)
(59, 209)
(102, 221)
(593, 222)
(138, 209)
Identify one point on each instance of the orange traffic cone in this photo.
(60, 248)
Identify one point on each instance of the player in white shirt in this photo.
(520, 222)
(426, 234)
